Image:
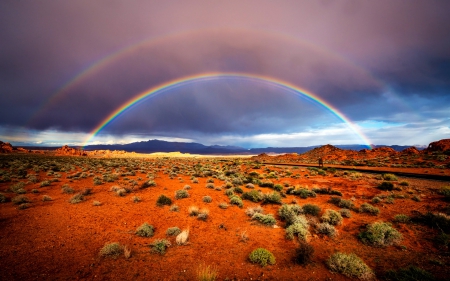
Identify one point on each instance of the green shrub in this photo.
(389, 177)
(77, 198)
(173, 231)
(303, 253)
(273, 197)
(210, 185)
(253, 195)
(111, 250)
(193, 211)
(207, 199)
(18, 188)
(299, 228)
(348, 204)
(250, 185)
(367, 208)
(327, 229)
(145, 230)
(332, 217)
(311, 209)
(159, 246)
(304, 193)
(408, 273)
(45, 183)
(345, 213)
(163, 200)
(401, 218)
(264, 219)
(266, 184)
(376, 200)
(350, 265)
(404, 183)
(67, 189)
(380, 234)
(180, 194)
(386, 186)
(237, 189)
(262, 257)
(236, 200)
(149, 183)
(278, 187)
(289, 212)
(203, 214)
(229, 192)
(445, 190)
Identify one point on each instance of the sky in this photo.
(361, 72)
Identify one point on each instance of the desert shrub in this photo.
(121, 192)
(300, 229)
(401, 218)
(386, 186)
(24, 206)
(345, 213)
(20, 199)
(194, 180)
(404, 183)
(332, 217)
(86, 191)
(367, 208)
(206, 273)
(264, 219)
(445, 190)
(253, 195)
(262, 257)
(236, 200)
(173, 231)
(229, 192)
(350, 265)
(311, 209)
(145, 230)
(46, 198)
(2, 198)
(273, 197)
(207, 199)
(289, 212)
(77, 198)
(180, 194)
(187, 187)
(203, 214)
(223, 205)
(44, 183)
(18, 188)
(335, 200)
(193, 211)
(348, 204)
(210, 180)
(67, 189)
(327, 229)
(442, 239)
(34, 190)
(174, 208)
(278, 187)
(250, 211)
(136, 199)
(97, 181)
(111, 250)
(390, 177)
(376, 200)
(416, 198)
(210, 185)
(146, 184)
(380, 234)
(163, 200)
(159, 246)
(304, 193)
(408, 273)
(266, 184)
(303, 253)
(237, 189)
(250, 185)
(183, 237)
(96, 203)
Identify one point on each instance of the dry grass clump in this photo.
(367, 208)
(380, 234)
(174, 208)
(203, 214)
(250, 211)
(332, 217)
(173, 231)
(236, 200)
(77, 198)
(350, 265)
(311, 209)
(146, 184)
(206, 273)
(20, 199)
(262, 257)
(264, 219)
(145, 230)
(46, 198)
(207, 199)
(111, 250)
(67, 189)
(182, 193)
(193, 211)
(223, 205)
(163, 200)
(327, 229)
(299, 227)
(183, 237)
(159, 246)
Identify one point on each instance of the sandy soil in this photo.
(57, 240)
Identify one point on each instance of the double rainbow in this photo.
(179, 82)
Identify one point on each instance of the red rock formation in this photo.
(6, 147)
(441, 145)
(410, 150)
(66, 150)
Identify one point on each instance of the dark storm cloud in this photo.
(356, 52)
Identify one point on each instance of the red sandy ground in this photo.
(57, 240)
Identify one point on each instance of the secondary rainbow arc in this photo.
(209, 76)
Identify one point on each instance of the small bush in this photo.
(173, 231)
(386, 186)
(2, 198)
(380, 234)
(45, 183)
(121, 192)
(210, 185)
(193, 211)
(367, 208)
(250, 211)
(236, 200)
(206, 273)
(223, 205)
(445, 191)
(278, 187)
(237, 189)
(304, 253)
(20, 199)
(273, 198)
(253, 195)
(86, 191)
(77, 198)
(149, 183)
(404, 183)
(145, 230)
(264, 219)
(348, 204)
(332, 217)
(136, 199)
(376, 200)
(350, 265)
(207, 199)
(111, 250)
(187, 187)
(408, 273)
(262, 257)
(250, 185)
(23, 206)
(67, 189)
(289, 212)
(46, 198)
(163, 200)
(159, 246)
(401, 218)
(304, 193)
(174, 208)
(311, 209)
(389, 177)
(345, 213)
(180, 194)
(203, 214)
(327, 229)
(300, 229)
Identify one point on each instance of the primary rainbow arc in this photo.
(217, 75)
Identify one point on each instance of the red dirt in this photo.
(59, 240)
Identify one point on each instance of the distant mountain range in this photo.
(151, 146)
